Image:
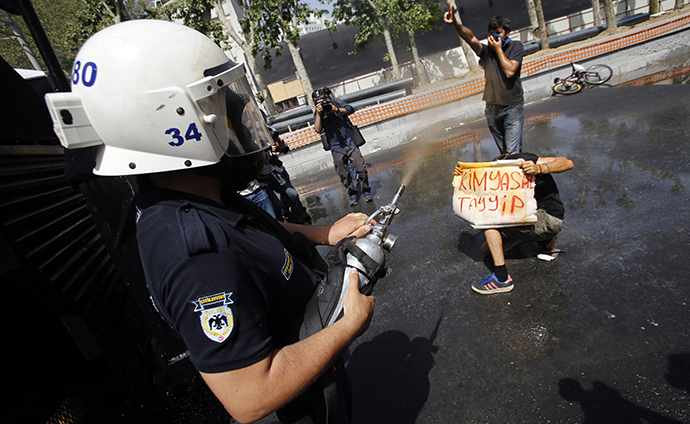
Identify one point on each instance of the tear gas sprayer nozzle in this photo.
(367, 254)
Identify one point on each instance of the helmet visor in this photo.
(248, 132)
(225, 92)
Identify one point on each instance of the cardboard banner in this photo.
(494, 194)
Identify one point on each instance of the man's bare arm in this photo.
(463, 32)
(317, 119)
(548, 165)
(253, 392)
(351, 225)
(508, 66)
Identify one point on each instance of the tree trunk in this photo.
(296, 53)
(653, 7)
(610, 12)
(118, 12)
(470, 57)
(389, 47)
(679, 5)
(423, 78)
(596, 10)
(532, 11)
(269, 103)
(389, 41)
(543, 32)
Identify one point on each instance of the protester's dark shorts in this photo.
(546, 228)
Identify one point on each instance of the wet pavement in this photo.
(599, 335)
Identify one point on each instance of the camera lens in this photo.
(327, 107)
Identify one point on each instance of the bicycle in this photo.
(575, 82)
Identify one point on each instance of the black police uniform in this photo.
(225, 279)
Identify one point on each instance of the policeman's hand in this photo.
(351, 225)
(358, 308)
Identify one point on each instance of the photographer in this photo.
(279, 182)
(330, 117)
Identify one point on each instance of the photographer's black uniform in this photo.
(334, 123)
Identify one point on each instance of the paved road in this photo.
(599, 335)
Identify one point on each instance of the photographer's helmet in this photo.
(157, 96)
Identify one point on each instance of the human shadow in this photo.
(390, 377)
(678, 374)
(469, 243)
(604, 404)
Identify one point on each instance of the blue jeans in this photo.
(261, 199)
(505, 124)
(292, 208)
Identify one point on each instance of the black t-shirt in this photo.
(545, 190)
(222, 278)
(498, 88)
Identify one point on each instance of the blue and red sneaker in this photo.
(491, 285)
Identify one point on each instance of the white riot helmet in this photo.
(157, 96)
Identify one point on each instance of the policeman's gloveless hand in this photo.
(351, 225)
(358, 308)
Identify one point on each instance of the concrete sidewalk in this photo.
(665, 52)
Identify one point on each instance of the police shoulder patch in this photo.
(288, 266)
(217, 320)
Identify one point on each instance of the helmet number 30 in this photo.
(191, 134)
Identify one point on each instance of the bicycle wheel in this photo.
(598, 74)
(567, 87)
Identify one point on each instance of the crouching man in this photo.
(550, 213)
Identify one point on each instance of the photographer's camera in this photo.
(327, 106)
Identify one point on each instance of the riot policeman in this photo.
(163, 102)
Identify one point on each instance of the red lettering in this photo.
(462, 181)
(497, 178)
(479, 181)
(517, 179)
(482, 203)
(505, 184)
(462, 199)
(517, 203)
(493, 199)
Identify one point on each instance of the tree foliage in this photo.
(362, 14)
(273, 22)
(94, 15)
(68, 23)
(55, 20)
(195, 14)
(418, 15)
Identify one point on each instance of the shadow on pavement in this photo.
(391, 373)
(603, 404)
(678, 374)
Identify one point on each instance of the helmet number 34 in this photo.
(191, 134)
